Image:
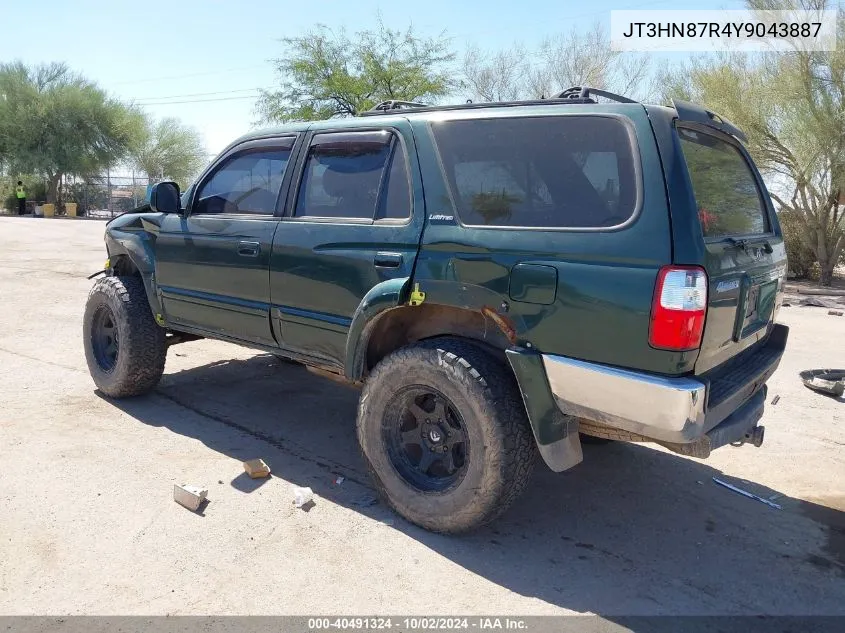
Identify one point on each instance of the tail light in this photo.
(679, 308)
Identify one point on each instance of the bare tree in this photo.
(576, 58)
(495, 76)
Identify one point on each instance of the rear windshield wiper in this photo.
(739, 243)
(743, 244)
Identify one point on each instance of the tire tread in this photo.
(143, 346)
(513, 464)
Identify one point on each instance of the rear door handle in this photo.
(388, 260)
(249, 249)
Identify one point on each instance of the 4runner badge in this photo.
(724, 286)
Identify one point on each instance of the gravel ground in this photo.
(88, 524)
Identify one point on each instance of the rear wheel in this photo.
(124, 347)
(445, 435)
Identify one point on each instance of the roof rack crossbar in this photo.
(584, 92)
(473, 106)
(395, 104)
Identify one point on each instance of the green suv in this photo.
(503, 278)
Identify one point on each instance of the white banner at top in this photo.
(660, 31)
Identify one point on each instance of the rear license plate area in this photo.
(751, 303)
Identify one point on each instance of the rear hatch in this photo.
(745, 258)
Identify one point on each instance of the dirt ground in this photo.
(88, 524)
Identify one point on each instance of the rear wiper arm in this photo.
(738, 242)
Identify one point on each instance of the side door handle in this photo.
(388, 260)
(249, 249)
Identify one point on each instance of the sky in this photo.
(203, 61)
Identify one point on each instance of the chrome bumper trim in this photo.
(669, 409)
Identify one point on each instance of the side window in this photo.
(497, 187)
(246, 183)
(602, 170)
(395, 198)
(354, 175)
(545, 172)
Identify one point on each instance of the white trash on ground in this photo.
(301, 496)
(189, 496)
(745, 493)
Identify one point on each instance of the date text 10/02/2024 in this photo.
(416, 623)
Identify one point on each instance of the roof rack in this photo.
(395, 104)
(577, 94)
(584, 92)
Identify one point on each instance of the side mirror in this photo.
(164, 198)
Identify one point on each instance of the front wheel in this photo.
(124, 347)
(445, 435)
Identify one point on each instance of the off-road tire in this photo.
(502, 451)
(142, 350)
(592, 439)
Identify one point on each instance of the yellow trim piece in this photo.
(417, 297)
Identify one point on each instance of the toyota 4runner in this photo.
(503, 278)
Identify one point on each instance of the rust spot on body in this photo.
(502, 322)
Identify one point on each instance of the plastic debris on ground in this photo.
(745, 493)
(256, 468)
(775, 400)
(339, 480)
(188, 496)
(827, 381)
(819, 302)
(301, 496)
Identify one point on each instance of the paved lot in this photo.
(88, 525)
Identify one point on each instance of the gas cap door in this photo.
(533, 283)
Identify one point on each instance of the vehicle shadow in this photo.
(630, 531)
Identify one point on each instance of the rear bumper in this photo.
(719, 407)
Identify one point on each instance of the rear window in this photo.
(555, 172)
(726, 192)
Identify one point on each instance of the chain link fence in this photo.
(106, 196)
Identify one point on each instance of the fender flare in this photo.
(137, 246)
(380, 299)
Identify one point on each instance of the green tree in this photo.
(169, 149)
(802, 260)
(792, 107)
(324, 74)
(55, 123)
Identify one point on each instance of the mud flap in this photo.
(556, 434)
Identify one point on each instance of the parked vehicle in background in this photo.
(503, 278)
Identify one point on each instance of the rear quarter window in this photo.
(726, 193)
(552, 172)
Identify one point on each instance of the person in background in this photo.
(20, 192)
